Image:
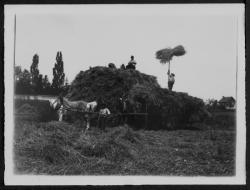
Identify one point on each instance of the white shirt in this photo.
(132, 62)
(171, 78)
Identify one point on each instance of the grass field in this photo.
(60, 148)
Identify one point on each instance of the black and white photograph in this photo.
(124, 94)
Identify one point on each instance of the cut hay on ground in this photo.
(58, 148)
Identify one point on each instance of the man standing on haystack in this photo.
(171, 80)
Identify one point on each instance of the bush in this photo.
(223, 120)
(40, 108)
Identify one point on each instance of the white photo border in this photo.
(175, 9)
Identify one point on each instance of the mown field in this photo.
(61, 148)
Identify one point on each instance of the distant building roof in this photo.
(226, 99)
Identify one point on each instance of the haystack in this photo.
(166, 109)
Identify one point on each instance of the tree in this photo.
(66, 82)
(23, 85)
(46, 85)
(58, 73)
(18, 72)
(66, 86)
(39, 87)
(34, 71)
(166, 55)
(212, 104)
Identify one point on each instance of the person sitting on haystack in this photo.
(131, 63)
(171, 80)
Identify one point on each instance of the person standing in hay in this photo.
(171, 80)
(131, 64)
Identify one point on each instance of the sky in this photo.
(207, 70)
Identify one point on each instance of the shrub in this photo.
(223, 120)
(40, 108)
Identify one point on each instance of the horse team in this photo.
(62, 105)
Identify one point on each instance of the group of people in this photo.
(90, 106)
(131, 64)
(171, 76)
(63, 105)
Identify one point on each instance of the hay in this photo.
(27, 109)
(178, 51)
(57, 148)
(35, 109)
(119, 144)
(59, 144)
(166, 55)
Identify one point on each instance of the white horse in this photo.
(79, 105)
(55, 104)
(91, 106)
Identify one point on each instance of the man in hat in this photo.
(131, 63)
(171, 80)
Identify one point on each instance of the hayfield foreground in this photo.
(60, 148)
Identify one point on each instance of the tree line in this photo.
(33, 82)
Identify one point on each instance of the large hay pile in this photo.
(166, 109)
(107, 85)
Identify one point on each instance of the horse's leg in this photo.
(121, 119)
(125, 119)
(98, 121)
(104, 122)
(101, 123)
(83, 120)
(60, 115)
(88, 124)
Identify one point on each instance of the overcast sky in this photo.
(207, 70)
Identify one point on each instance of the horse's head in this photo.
(55, 104)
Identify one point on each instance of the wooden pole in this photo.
(168, 71)
(98, 125)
